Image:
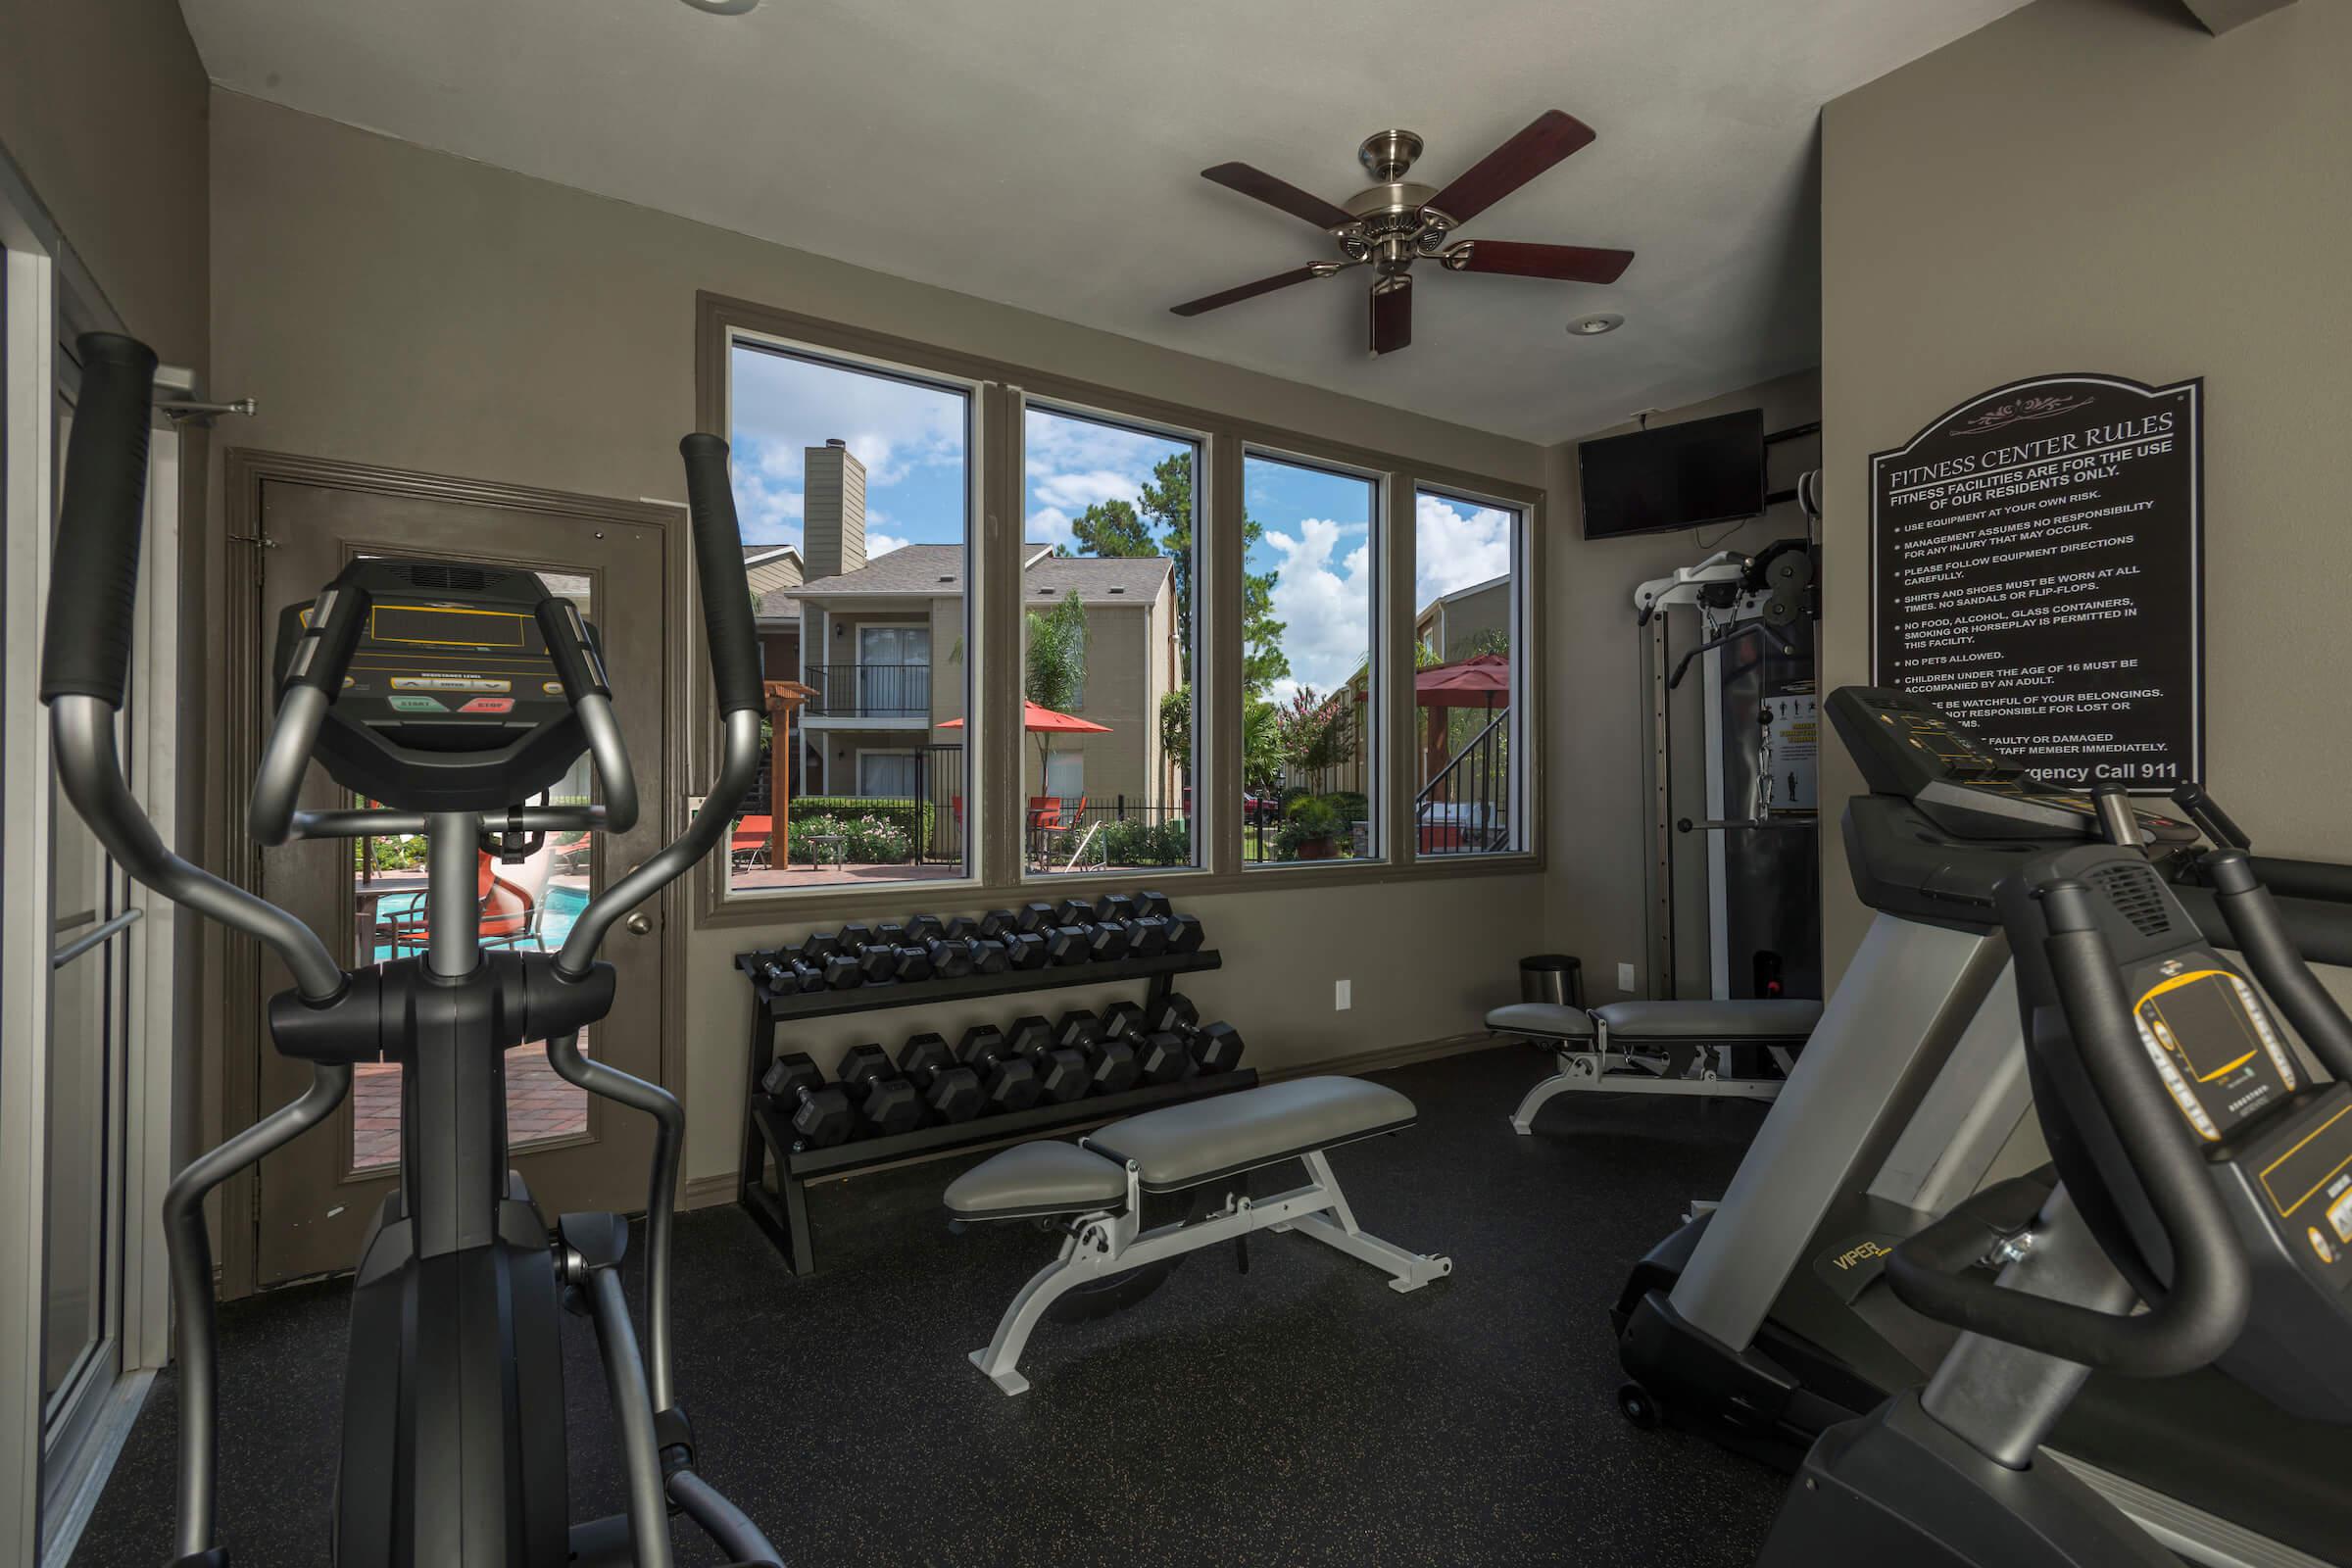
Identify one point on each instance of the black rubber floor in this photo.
(1302, 1413)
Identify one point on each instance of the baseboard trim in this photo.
(706, 1192)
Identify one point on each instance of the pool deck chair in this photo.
(1101, 1182)
(1658, 1047)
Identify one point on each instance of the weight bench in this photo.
(1101, 1182)
(1631, 1047)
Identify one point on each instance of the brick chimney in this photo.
(833, 510)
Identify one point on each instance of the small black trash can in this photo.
(1553, 977)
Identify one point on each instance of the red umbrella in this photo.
(1045, 722)
(1473, 682)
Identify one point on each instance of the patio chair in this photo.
(511, 909)
(749, 846)
(1050, 815)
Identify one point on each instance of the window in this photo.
(865, 472)
(1467, 675)
(1107, 642)
(1310, 631)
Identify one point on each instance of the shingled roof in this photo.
(937, 571)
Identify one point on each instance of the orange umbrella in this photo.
(1045, 722)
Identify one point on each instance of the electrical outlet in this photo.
(1625, 978)
(1343, 995)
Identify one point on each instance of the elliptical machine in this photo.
(454, 1446)
(2200, 1173)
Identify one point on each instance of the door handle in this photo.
(639, 924)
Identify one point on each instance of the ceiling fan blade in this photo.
(1279, 193)
(1392, 314)
(1552, 136)
(1251, 291)
(1570, 264)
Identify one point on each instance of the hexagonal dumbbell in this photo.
(1068, 944)
(1008, 1081)
(1121, 1019)
(1062, 1075)
(1118, 908)
(1107, 941)
(877, 962)
(997, 924)
(951, 957)
(1163, 1056)
(1149, 902)
(949, 1091)
(885, 1102)
(1216, 1048)
(1110, 1066)
(788, 974)
(819, 1112)
(1147, 935)
(1184, 933)
(1026, 950)
(914, 964)
(921, 928)
(1173, 1013)
(1040, 917)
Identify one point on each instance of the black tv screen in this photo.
(1676, 476)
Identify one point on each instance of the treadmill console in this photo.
(1911, 748)
(450, 684)
(2276, 1144)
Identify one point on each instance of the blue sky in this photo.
(912, 439)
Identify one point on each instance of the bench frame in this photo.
(1597, 1068)
(1103, 1243)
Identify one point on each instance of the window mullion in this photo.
(992, 822)
(1218, 693)
(1394, 737)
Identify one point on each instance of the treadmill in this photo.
(1769, 1318)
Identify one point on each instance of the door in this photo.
(365, 897)
(888, 776)
(894, 671)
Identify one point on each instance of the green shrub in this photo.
(1308, 819)
(1352, 805)
(1138, 842)
(870, 840)
(914, 818)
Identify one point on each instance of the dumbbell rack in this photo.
(783, 1212)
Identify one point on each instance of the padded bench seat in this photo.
(1660, 1048)
(1774, 1020)
(1101, 1180)
(1543, 1021)
(1187, 1144)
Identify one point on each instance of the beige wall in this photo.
(2099, 185)
(1597, 815)
(395, 305)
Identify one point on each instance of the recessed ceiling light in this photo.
(723, 7)
(1595, 326)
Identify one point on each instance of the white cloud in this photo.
(878, 545)
(1081, 490)
(784, 404)
(1456, 545)
(1074, 463)
(1326, 611)
(1050, 525)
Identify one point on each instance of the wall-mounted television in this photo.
(1683, 475)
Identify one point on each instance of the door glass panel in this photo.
(80, 1049)
(529, 906)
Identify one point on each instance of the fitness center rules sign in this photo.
(2035, 571)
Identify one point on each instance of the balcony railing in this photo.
(1466, 809)
(869, 691)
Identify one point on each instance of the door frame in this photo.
(234, 714)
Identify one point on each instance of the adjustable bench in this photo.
(1101, 1182)
(1633, 1047)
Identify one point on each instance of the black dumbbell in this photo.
(1116, 906)
(1008, 1081)
(1163, 1055)
(923, 928)
(951, 1090)
(997, 924)
(1039, 917)
(818, 945)
(1106, 941)
(1121, 1019)
(1062, 1075)
(885, 1102)
(914, 964)
(877, 962)
(1216, 1048)
(785, 974)
(1184, 933)
(854, 936)
(1173, 1013)
(950, 957)
(989, 955)
(1149, 902)
(1110, 1065)
(1073, 911)
(964, 926)
(819, 1112)
(1147, 935)
(891, 934)
(1068, 944)
(1026, 950)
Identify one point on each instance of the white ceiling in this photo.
(1045, 154)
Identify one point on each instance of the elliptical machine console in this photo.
(451, 693)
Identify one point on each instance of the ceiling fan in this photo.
(1396, 222)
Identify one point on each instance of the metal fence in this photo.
(1466, 809)
(1114, 832)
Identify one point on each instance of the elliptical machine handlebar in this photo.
(2211, 1287)
(735, 677)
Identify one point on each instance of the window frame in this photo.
(1004, 389)
(1525, 807)
(1204, 614)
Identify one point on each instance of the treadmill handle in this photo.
(2201, 1315)
(2259, 931)
(2206, 812)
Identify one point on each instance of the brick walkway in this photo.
(539, 1106)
